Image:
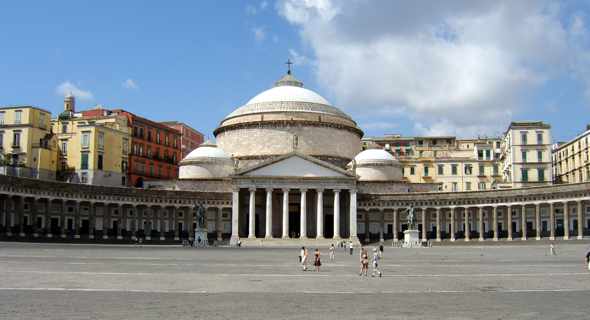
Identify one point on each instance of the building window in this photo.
(488, 154)
(539, 137)
(16, 139)
(496, 170)
(166, 139)
(523, 155)
(158, 137)
(174, 157)
(468, 186)
(524, 175)
(454, 169)
(541, 174)
(2, 117)
(18, 115)
(101, 140)
(85, 139)
(84, 161)
(42, 120)
(64, 127)
(479, 154)
(425, 171)
(135, 132)
(441, 169)
(481, 170)
(454, 187)
(175, 143)
(412, 170)
(149, 152)
(99, 161)
(84, 177)
(141, 133)
(1, 140)
(152, 169)
(523, 138)
(123, 166)
(64, 148)
(125, 146)
(539, 155)
(468, 169)
(482, 186)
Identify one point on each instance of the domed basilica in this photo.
(294, 166)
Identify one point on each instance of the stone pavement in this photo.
(61, 281)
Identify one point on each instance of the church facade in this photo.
(287, 169)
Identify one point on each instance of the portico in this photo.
(293, 199)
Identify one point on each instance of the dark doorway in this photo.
(85, 227)
(257, 228)
(329, 226)
(70, 224)
(390, 229)
(294, 224)
(115, 227)
(139, 183)
(55, 226)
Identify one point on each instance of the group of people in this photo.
(364, 258)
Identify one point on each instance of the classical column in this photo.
(337, 214)
(551, 221)
(353, 214)
(580, 221)
(20, 211)
(480, 221)
(452, 223)
(523, 234)
(382, 225)
(175, 223)
(285, 213)
(566, 221)
(191, 220)
(466, 224)
(438, 239)
(538, 220)
(268, 233)
(76, 220)
(219, 223)
(509, 221)
(303, 218)
(163, 214)
(424, 236)
(235, 212)
(395, 218)
(320, 214)
(495, 222)
(62, 219)
(106, 218)
(92, 219)
(252, 213)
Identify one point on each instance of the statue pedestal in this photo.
(201, 238)
(412, 239)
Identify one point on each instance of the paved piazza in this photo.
(61, 281)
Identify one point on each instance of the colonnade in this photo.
(493, 222)
(65, 218)
(303, 212)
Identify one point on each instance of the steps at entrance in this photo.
(286, 243)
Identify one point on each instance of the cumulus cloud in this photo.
(130, 84)
(297, 58)
(452, 67)
(68, 87)
(259, 33)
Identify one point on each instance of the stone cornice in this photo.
(286, 123)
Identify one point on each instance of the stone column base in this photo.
(22, 234)
(566, 237)
(551, 238)
(35, 235)
(523, 238)
(9, 234)
(438, 239)
(176, 238)
(119, 237)
(91, 237)
(148, 238)
(481, 239)
(105, 237)
(63, 236)
(580, 237)
(49, 235)
(162, 238)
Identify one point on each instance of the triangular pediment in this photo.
(295, 165)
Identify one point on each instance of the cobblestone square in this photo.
(60, 281)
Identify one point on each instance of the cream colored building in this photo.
(571, 160)
(455, 164)
(92, 150)
(27, 145)
(526, 154)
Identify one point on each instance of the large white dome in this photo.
(206, 150)
(374, 154)
(288, 93)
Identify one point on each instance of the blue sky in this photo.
(196, 61)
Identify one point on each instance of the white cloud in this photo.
(259, 33)
(453, 67)
(297, 58)
(130, 84)
(68, 87)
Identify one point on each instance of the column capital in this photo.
(252, 189)
(319, 190)
(285, 190)
(235, 188)
(303, 190)
(336, 190)
(269, 189)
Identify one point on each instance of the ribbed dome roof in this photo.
(288, 95)
(206, 150)
(374, 154)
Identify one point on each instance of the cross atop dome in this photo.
(289, 79)
(289, 64)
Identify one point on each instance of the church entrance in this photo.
(294, 224)
(329, 226)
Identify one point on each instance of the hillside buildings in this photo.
(571, 160)
(190, 138)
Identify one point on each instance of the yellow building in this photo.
(28, 148)
(456, 164)
(571, 160)
(93, 146)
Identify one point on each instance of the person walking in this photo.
(351, 247)
(376, 258)
(332, 252)
(364, 260)
(381, 250)
(588, 260)
(316, 261)
(552, 251)
(301, 253)
(304, 259)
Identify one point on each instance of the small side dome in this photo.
(376, 165)
(206, 150)
(206, 162)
